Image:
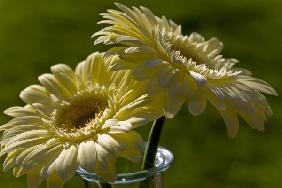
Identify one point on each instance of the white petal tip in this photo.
(200, 79)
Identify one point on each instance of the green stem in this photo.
(105, 185)
(86, 184)
(151, 149)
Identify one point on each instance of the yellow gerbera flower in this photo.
(83, 118)
(189, 67)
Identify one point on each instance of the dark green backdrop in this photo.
(37, 34)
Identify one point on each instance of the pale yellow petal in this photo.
(105, 166)
(14, 131)
(131, 145)
(19, 171)
(256, 121)
(66, 163)
(168, 77)
(65, 75)
(231, 121)
(118, 129)
(36, 94)
(41, 154)
(213, 44)
(54, 181)
(54, 87)
(19, 159)
(108, 143)
(153, 87)
(29, 135)
(27, 120)
(142, 73)
(33, 177)
(10, 160)
(87, 155)
(23, 144)
(197, 104)
(128, 109)
(200, 79)
(18, 111)
(172, 106)
(94, 70)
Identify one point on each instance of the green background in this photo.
(37, 34)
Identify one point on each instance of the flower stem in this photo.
(86, 184)
(151, 149)
(105, 185)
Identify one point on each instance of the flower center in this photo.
(81, 111)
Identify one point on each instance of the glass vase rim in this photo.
(164, 159)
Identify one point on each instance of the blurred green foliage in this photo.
(37, 34)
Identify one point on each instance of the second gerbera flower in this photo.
(190, 68)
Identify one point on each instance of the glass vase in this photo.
(163, 161)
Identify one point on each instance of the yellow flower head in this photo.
(190, 68)
(76, 118)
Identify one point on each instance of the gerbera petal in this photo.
(29, 135)
(36, 94)
(66, 76)
(108, 143)
(172, 106)
(106, 163)
(54, 87)
(23, 120)
(19, 159)
(54, 181)
(258, 84)
(19, 171)
(118, 129)
(66, 163)
(153, 87)
(197, 105)
(87, 155)
(33, 177)
(231, 121)
(41, 154)
(167, 77)
(130, 107)
(256, 121)
(18, 111)
(214, 44)
(14, 131)
(142, 73)
(10, 160)
(131, 145)
(196, 37)
(200, 79)
(153, 63)
(183, 89)
(23, 143)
